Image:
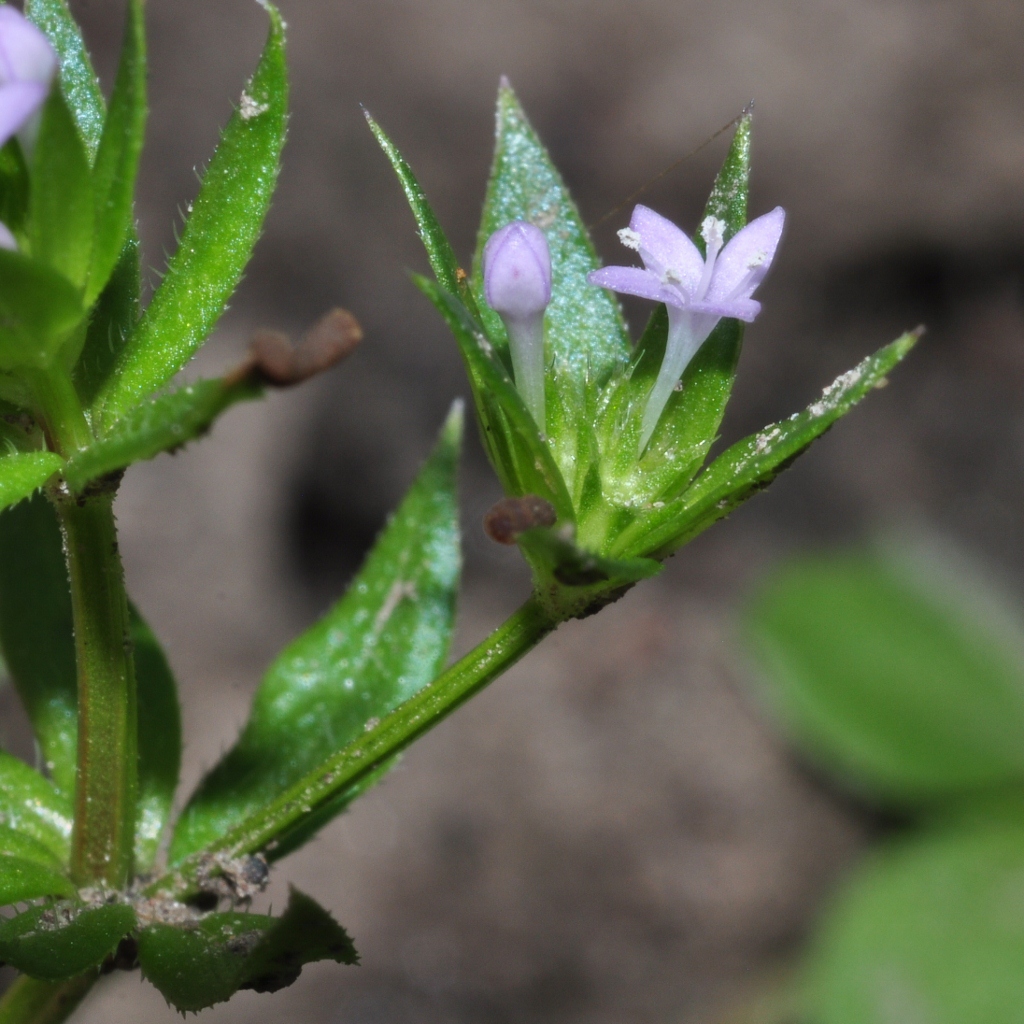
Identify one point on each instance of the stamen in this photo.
(713, 232)
(630, 238)
(749, 281)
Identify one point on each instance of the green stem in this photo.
(107, 781)
(61, 411)
(106, 787)
(346, 769)
(29, 1001)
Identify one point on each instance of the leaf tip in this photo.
(453, 424)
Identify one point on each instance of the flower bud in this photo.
(28, 64)
(517, 285)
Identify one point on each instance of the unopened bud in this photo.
(517, 285)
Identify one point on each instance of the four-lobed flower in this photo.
(698, 291)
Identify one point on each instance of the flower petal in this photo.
(745, 260)
(634, 281)
(25, 53)
(739, 309)
(18, 102)
(663, 247)
(7, 240)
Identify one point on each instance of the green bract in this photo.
(209, 962)
(618, 515)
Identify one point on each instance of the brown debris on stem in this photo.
(510, 517)
(273, 361)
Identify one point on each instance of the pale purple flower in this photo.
(697, 291)
(28, 64)
(517, 285)
(7, 240)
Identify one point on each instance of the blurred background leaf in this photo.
(928, 929)
(893, 681)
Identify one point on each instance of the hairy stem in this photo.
(350, 766)
(107, 783)
(61, 411)
(29, 1001)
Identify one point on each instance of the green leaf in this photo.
(586, 336)
(439, 251)
(38, 644)
(64, 939)
(23, 473)
(61, 217)
(29, 804)
(207, 962)
(38, 310)
(22, 880)
(217, 241)
(689, 425)
(111, 323)
(117, 159)
(160, 424)
(381, 643)
(892, 676)
(521, 459)
(78, 81)
(36, 632)
(159, 741)
(13, 186)
(17, 844)
(751, 464)
(929, 929)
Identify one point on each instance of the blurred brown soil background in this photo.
(609, 834)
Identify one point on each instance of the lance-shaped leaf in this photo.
(13, 186)
(156, 425)
(751, 464)
(61, 217)
(38, 309)
(63, 939)
(586, 336)
(521, 459)
(385, 640)
(36, 632)
(17, 844)
(218, 239)
(29, 804)
(689, 424)
(893, 676)
(439, 250)
(927, 930)
(159, 740)
(23, 473)
(111, 323)
(117, 159)
(78, 81)
(208, 961)
(38, 644)
(22, 880)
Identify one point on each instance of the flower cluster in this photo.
(697, 290)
